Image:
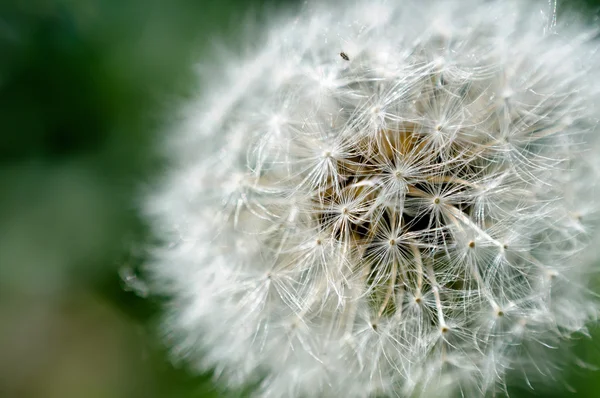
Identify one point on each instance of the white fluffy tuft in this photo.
(386, 198)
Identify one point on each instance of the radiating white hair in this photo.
(385, 198)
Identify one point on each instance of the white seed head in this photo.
(385, 198)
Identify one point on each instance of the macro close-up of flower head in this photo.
(384, 199)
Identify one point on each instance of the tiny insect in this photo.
(344, 56)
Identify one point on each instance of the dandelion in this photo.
(385, 199)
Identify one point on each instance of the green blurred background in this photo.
(84, 89)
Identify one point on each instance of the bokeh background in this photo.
(86, 87)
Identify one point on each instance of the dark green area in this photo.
(84, 89)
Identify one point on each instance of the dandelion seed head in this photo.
(385, 199)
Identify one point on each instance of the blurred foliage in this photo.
(84, 89)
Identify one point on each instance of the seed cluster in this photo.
(411, 215)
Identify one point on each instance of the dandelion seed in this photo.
(418, 224)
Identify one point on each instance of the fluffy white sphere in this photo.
(384, 198)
